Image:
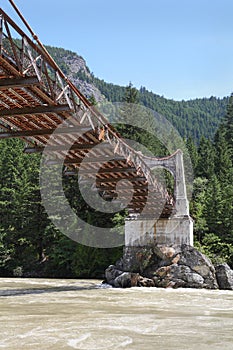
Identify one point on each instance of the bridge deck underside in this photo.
(35, 100)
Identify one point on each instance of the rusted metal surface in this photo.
(36, 98)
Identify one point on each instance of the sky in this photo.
(180, 49)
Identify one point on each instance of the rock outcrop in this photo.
(77, 68)
(224, 276)
(175, 266)
(118, 278)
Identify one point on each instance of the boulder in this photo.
(200, 264)
(136, 259)
(178, 276)
(145, 282)
(224, 276)
(126, 280)
(118, 278)
(181, 266)
(111, 273)
(174, 266)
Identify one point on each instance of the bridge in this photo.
(37, 101)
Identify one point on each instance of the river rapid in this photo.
(83, 314)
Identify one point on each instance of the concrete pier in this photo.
(177, 229)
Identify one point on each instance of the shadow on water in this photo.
(22, 291)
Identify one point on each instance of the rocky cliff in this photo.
(77, 71)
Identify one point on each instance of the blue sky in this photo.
(180, 49)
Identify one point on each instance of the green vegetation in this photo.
(29, 243)
(193, 118)
(212, 204)
(31, 246)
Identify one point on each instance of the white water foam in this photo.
(73, 343)
(89, 342)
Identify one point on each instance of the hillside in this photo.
(192, 118)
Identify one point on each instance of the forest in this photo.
(30, 246)
(193, 118)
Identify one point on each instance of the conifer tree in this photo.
(193, 153)
(223, 162)
(228, 125)
(214, 206)
(131, 94)
(206, 160)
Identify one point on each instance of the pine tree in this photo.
(228, 125)
(131, 94)
(206, 162)
(92, 100)
(223, 162)
(214, 206)
(198, 207)
(193, 153)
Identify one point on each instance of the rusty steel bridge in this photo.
(37, 99)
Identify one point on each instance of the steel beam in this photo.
(135, 188)
(115, 170)
(57, 148)
(86, 160)
(37, 132)
(106, 180)
(34, 110)
(6, 83)
(114, 180)
(101, 171)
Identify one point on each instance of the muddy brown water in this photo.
(83, 314)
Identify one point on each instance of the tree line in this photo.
(193, 118)
(212, 202)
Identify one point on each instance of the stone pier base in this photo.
(175, 230)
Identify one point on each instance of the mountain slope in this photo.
(75, 68)
(192, 118)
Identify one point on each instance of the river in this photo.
(83, 314)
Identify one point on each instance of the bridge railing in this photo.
(30, 60)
